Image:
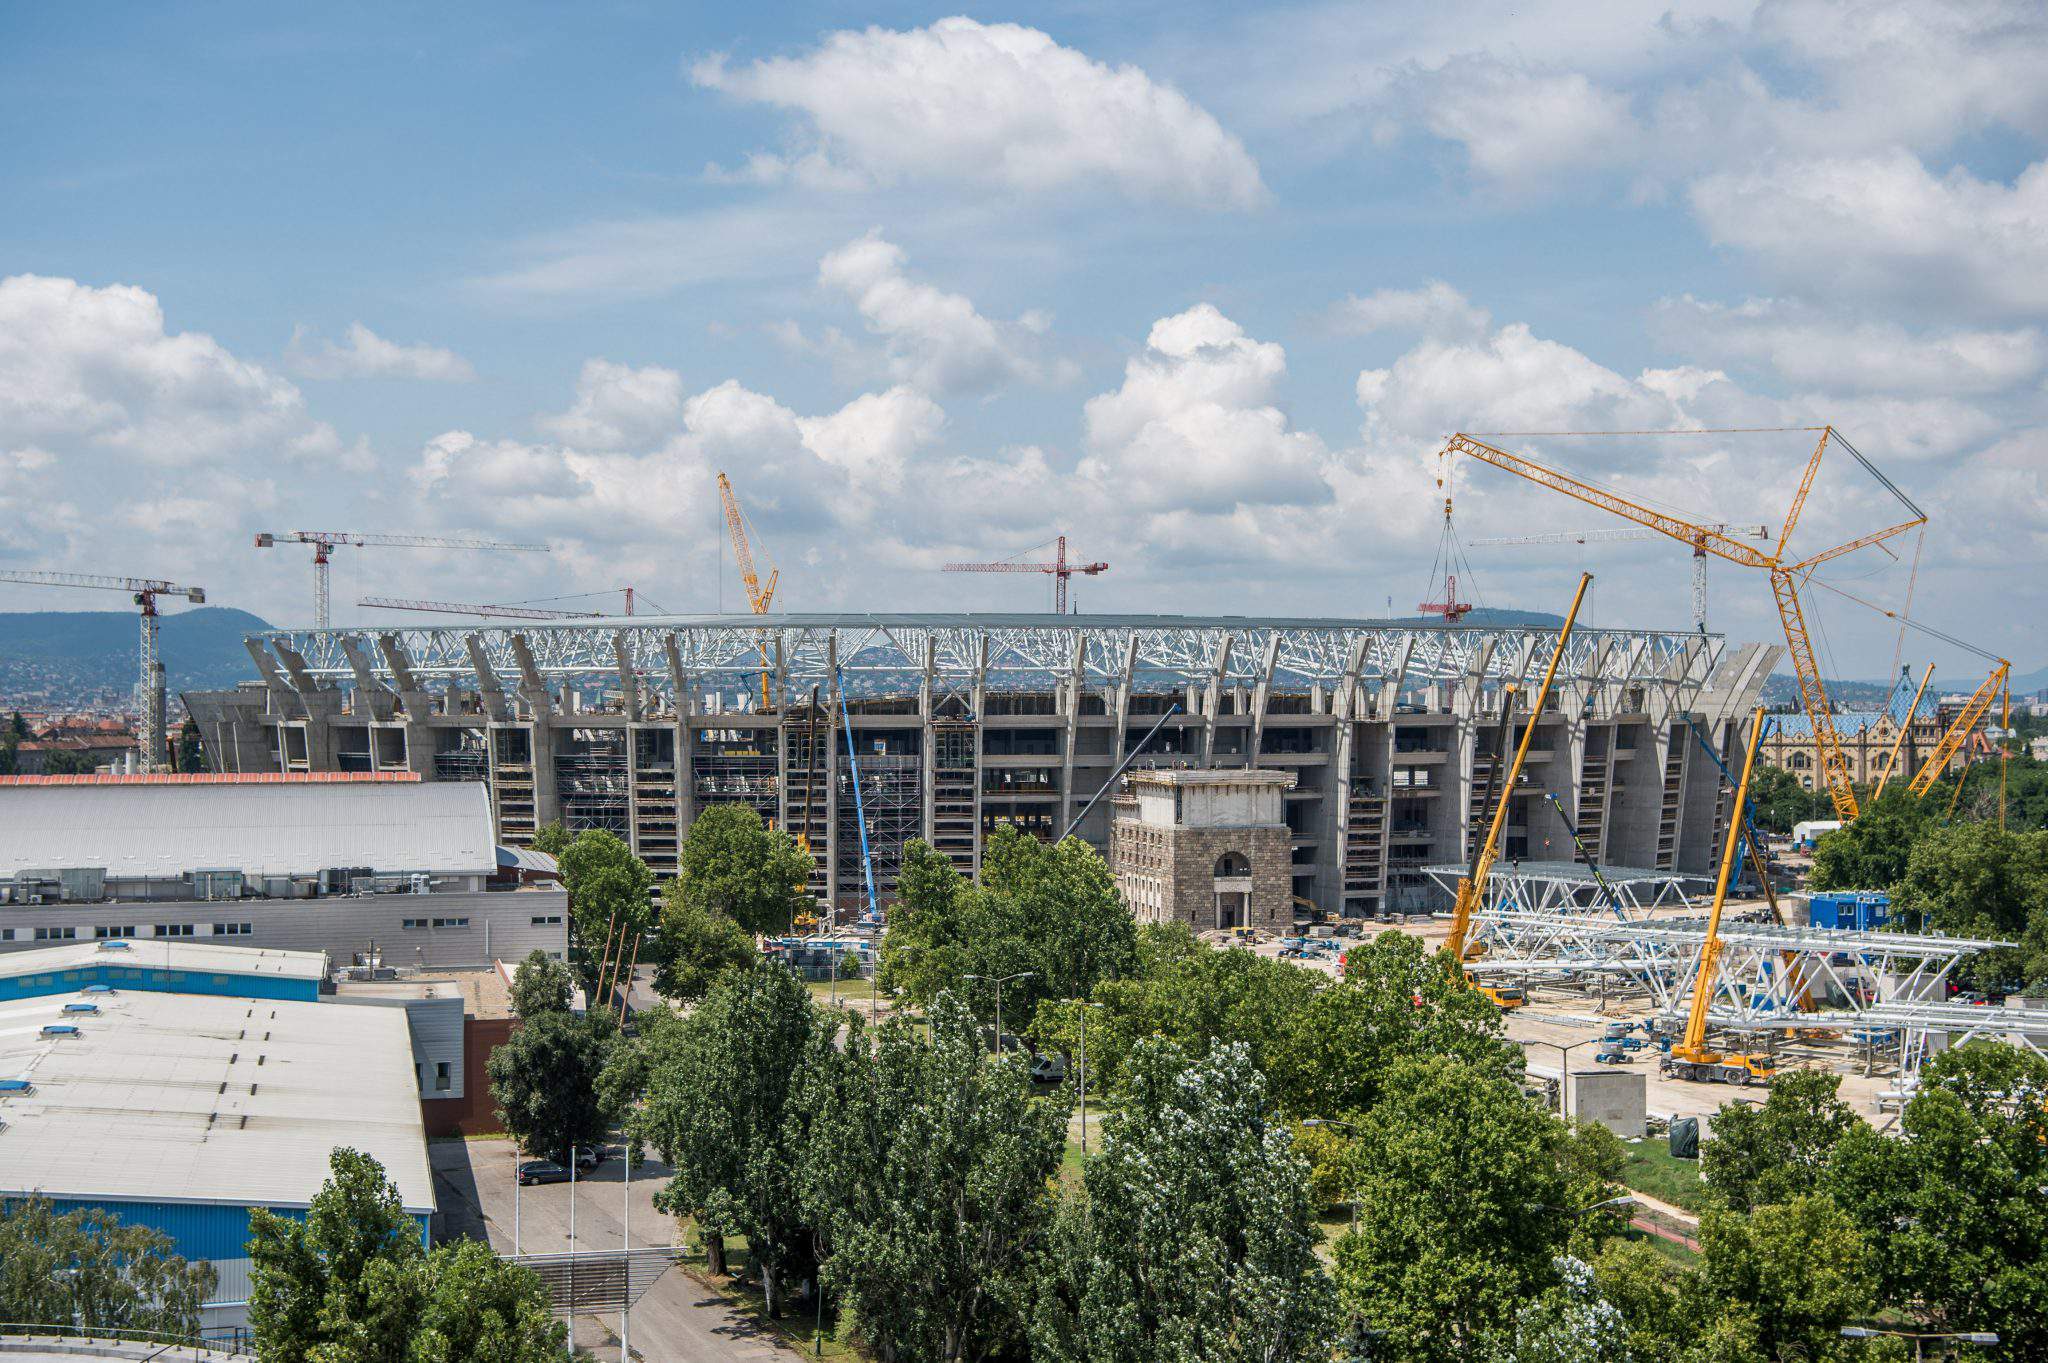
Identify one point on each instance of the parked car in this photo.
(1049, 1068)
(542, 1171)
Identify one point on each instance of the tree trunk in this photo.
(714, 1253)
(771, 1294)
(953, 1333)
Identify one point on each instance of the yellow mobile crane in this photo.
(758, 596)
(1690, 1058)
(1787, 574)
(1472, 886)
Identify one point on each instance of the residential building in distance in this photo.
(368, 870)
(1207, 848)
(177, 1085)
(946, 727)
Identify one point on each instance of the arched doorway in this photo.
(1233, 887)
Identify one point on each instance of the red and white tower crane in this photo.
(325, 542)
(149, 685)
(1060, 569)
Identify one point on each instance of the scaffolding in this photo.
(592, 784)
(512, 784)
(737, 767)
(953, 792)
(891, 799)
(655, 824)
(807, 791)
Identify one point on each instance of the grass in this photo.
(1652, 1169)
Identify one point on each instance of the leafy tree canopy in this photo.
(541, 984)
(1975, 880)
(1777, 801)
(1775, 1152)
(733, 864)
(89, 1268)
(1871, 853)
(545, 1082)
(608, 887)
(698, 946)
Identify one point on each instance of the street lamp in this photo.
(1085, 1006)
(999, 982)
(1919, 1339)
(1564, 1073)
(1353, 1129)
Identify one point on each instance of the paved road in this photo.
(678, 1320)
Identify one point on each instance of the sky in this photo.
(1204, 287)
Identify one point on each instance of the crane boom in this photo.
(1692, 1046)
(1752, 532)
(759, 598)
(399, 603)
(1785, 576)
(1472, 889)
(1966, 721)
(325, 542)
(1891, 760)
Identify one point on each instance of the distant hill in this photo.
(62, 658)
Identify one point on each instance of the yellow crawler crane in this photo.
(1472, 886)
(758, 596)
(1786, 574)
(1690, 1058)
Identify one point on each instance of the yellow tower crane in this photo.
(758, 596)
(1787, 574)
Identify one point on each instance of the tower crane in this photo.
(1060, 569)
(1786, 572)
(149, 686)
(759, 598)
(325, 542)
(1699, 555)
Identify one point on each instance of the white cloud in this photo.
(366, 355)
(874, 437)
(935, 340)
(1194, 425)
(618, 406)
(989, 104)
(1805, 346)
(97, 365)
(1522, 128)
(1882, 226)
(1435, 309)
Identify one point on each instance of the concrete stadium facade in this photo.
(957, 724)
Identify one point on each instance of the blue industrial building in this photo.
(1861, 910)
(174, 1086)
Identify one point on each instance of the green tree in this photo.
(1871, 853)
(553, 839)
(722, 1108)
(1649, 1291)
(1781, 1149)
(1194, 1236)
(478, 1308)
(698, 946)
(1570, 1322)
(733, 864)
(339, 1285)
(1797, 1272)
(1777, 801)
(541, 984)
(1953, 1205)
(545, 1083)
(1049, 910)
(190, 754)
(88, 1268)
(608, 887)
(1466, 1195)
(1976, 880)
(928, 1169)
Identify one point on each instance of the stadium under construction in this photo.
(947, 727)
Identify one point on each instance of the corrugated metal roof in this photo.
(144, 953)
(260, 829)
(201, 1098)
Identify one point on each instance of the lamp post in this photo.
(1085, 1006)
(1564, 1072)
(1919, 1339)
(1353, 1129)
(999, 982)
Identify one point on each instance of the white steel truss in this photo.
(1927, 1028)
(1011, 652)
(1764, 973)
(1570, 887)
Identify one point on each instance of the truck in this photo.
(1711, 1068)
(1505, 997)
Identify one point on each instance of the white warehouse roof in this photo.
(164, 828)
(163, 954)
(206, 1098)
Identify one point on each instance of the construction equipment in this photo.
(149, 686)
(1966, 721)
(1449, 555)
(1592, 861)
(1891, 759)
(1689, 1057)
(325, 542)
(1060, 569)
(396, 603)
(759, 598)
(1699, 555)
(1786, 573)
(1472, 887)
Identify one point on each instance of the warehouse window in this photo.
(6, 934)
(233, 929)
(174, 929)
(105, 930)
(451, 922)
(412, 923)
(442, 1080)
(541, 920)
(56, 934)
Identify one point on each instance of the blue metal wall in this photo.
(158, 981)
(213, 1231)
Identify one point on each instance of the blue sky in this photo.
(1203, 287)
